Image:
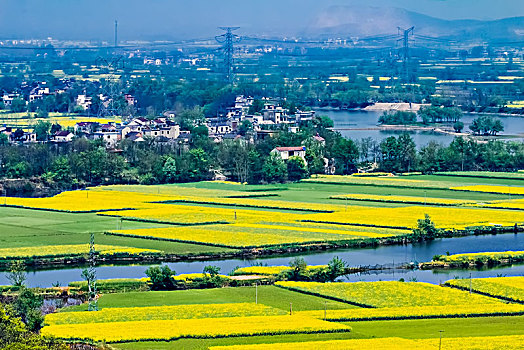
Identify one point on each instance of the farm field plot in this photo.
(193, 328)
(215, 217)
(270, 270)
(510, 190)
(192, 314)
(248, 235)
(466, 343)
(70, 249)
(500, 329)
(92, 200)
(481, 258)
(414, 312)
(390, 294)
(31, 229)
(510, 288)
(163, 313)
(195, 214)
(405, 218)
(267, 295)
(403, 199)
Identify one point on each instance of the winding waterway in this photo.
(355, 257)
(362, 124)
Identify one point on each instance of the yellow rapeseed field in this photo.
(193, 214)
(416, 312)
(247, 235)
(472, 257)
(69, 249)
(150, 313)
(192, 328)
(491, 189)
(403, 199)
(391, 293)
(504, 287)
(352, 344)
(507, 342)
(270, 270)
(88, 201)
(406, 217)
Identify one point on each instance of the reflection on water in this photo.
(355, 257)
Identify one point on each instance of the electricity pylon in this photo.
(90, 275)
(228, 39)
(404, 38)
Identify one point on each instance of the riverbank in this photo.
(49, 262)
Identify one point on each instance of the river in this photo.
(355, 257)
(369, 119)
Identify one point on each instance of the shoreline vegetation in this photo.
(474, 260)
(50, 261)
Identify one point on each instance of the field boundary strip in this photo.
(153, 221)
(473, 290)
(244, 205)
(326, 297)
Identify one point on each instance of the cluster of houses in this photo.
(32, 92)
(162, 129)
(264, 122)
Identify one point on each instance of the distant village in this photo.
(268, 118)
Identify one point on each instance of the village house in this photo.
(286, 152)
(62, 136)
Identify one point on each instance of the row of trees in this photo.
(84, 162)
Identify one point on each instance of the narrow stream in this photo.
(355, 257)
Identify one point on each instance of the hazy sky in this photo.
(168, 19)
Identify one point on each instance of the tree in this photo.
(28, 306)
(211, 270)
(486, 125)
(458, 126)
(41, 129)
(298, 268)
(16, 274)
(274, 169)
(61, 171)
(345, 153)
(426, 229)
(398, 118)
(55, 128)
(14, 334)
(161, 277)
(18, 134)
(256, 107)
(245, 127)
(407, 152)
(18, 105)
(4, 140)
(336, 267)
(296, 168)
(169, 170)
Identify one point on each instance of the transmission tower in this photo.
(91, 274)
(110, 89)
(404, 38)
(228, 39)
(116, 34)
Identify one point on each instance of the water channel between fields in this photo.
(357, 124)
(355, 257)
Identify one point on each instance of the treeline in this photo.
(85, 163)
(483, 125)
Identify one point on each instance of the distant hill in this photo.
(359, 21)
